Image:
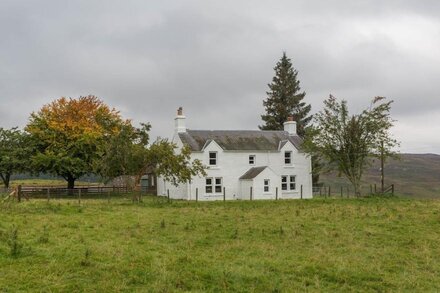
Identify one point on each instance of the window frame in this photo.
(253, 158)
(287, 182)
(215, 158)
(215, 185)
(266, 185)
(209, 186)
(218, 185)
(284, 183)
(288, 158)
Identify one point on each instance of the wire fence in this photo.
(108, 192)
(348, 191)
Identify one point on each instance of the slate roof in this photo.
(252, 173)
(243, 140)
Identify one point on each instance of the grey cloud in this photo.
(216, 58)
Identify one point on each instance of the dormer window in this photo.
(251, 159)
(212, 158)
(288, 158)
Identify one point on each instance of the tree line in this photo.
(335, 139)
(74, 137)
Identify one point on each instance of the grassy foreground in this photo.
(315, 245)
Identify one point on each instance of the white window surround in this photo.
(213, 185)
(288, 183)
(288, 158)
(252, 160)
(213, 158)
(266, 185)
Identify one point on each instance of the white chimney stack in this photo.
(179, 121)
(290, 126)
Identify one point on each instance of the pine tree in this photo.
(285, 99)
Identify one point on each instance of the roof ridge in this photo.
(254, 130)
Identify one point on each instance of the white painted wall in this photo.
(245, 188)
(233, 164)
(274, 183)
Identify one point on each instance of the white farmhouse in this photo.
(243, 164)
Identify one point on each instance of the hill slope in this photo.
(415, 175)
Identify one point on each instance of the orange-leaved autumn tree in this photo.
(71, 135)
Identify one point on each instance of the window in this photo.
(266, 185)
(283, 182)
(214, 185)
(287, 158)
(288, 182)
(218, 185)
(208, 187)
(251, 159)
(292, 183)
(213, 158)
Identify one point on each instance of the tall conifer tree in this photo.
(285, 99)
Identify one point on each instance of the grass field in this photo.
(369, 244)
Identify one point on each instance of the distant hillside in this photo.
(415, 175)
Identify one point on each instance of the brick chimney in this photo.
(290, 126)
(179, 121)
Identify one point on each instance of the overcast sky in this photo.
(215, 58)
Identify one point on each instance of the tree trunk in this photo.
(70, 182)
(357, 188)
(6, 178)
(356, 185)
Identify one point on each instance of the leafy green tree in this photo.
(15, 153)
(124, 153)
(348, 142)
(71, 136)
(129, 153)
(285, 99)
(175, 167)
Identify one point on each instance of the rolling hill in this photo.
(414, 175)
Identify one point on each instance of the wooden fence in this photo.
(348, 191)
(55, 192)
(59, 192)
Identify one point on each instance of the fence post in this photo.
(341, 191)
(168, 195)
(320, 191)
(79, 195)
(375, 191)
(325, 192)
(251, 194)
(224, 193)
(392, 189)
(19, 193)
(301, 191)
(329, 191)
(48, 194)
(197, 194)
(108, 196)
(276, 193)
